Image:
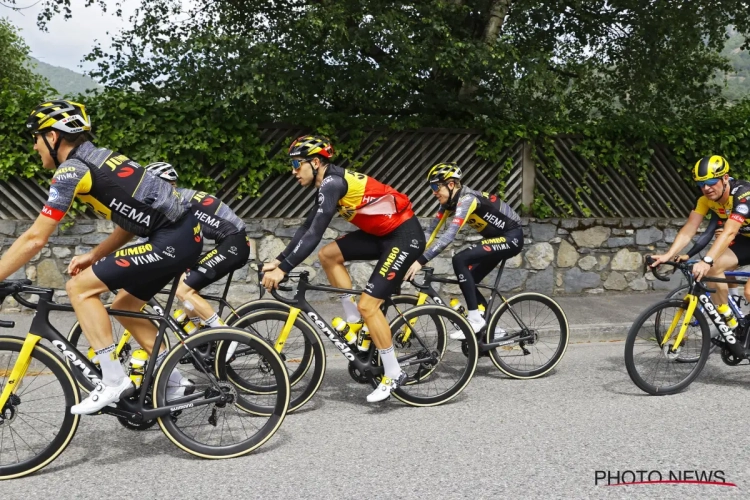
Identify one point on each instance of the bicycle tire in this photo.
(69, 422)
(449, 352)
(312, 355)
(502, 356)
(75, 335)
(221, 337)
(642, 329)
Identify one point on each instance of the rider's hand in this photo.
(682, 258)
(700, 269)
(660, 259)
(270, 266)
(718, 232)
(272, 278)
(80, 262)
(413, 269)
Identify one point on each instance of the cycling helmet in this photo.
(163, 170)
(443, 172)
(710, 167)
(64, 116)
(311, 145)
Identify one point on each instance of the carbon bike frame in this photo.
(135, 411)
(426, 288)
(365, 367)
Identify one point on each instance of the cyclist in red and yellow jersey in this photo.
(388, 231)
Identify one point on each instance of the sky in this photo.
(67, 42)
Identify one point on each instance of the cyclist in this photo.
(388, 231)
(139, 203)
(728, 199)
(219, 223)
(498, 224)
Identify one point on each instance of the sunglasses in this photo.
(710, 182)
(435, 186)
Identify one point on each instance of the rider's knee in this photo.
(368, 306)
(330, 254)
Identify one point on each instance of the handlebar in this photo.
(682, 266)
(17, 287)
(7, 324)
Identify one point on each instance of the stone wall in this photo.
(560, 256)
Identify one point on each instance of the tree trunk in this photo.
(497, 13)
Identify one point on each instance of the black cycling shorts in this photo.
(230, 254)
(741, 248)
(144, 269)
(395, 251)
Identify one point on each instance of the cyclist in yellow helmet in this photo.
(729, 199)
(139, 203)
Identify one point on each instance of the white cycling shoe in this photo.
(476, 326)
(102, 396)
(185, 388)
(384, 388)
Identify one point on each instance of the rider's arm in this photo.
(686, 233)
(435, 225)
(706, 237)
(118, 238)
(732, 226)
(466, 205)
(331, 191)
(71, 178)
(298, 234)
(27, 245)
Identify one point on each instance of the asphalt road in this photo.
(501, 438)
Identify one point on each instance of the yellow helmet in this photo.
(65, 116)
(310, 145)
(710, 167)
(443, 172)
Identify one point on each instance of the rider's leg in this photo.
(83, 291)
(356, 245)
(725, 262)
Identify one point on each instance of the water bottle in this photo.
(184, 321)
(457, 306)
(92, 356)
(137, 366)
(342, 327)
(363, 339)
(481, 309)
(728, 316)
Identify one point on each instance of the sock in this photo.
(390, 363)
(214, 321)
(112, 372)
(175, 378)
(349, 303)
(475, 316)
(159, 359)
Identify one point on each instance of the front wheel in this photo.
(538, 335)
(438, 368)
(238, 423)
(36, 424)
(655, 368)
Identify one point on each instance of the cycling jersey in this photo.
(485, 212)
(217, 220)
(372, 206)
(116, 188)
(737, 206)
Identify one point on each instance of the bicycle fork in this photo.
(19, 368)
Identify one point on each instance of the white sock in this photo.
(112, 372)
(390, 363)
(349, 303)
(475, 316)
(214, 321)
(175, 378)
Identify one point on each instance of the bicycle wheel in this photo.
(36, 424)
(78, 340)
(221, 429)
(652, 367)
(438, 367)
(542, 340)
(255, 305)
(302, 353)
